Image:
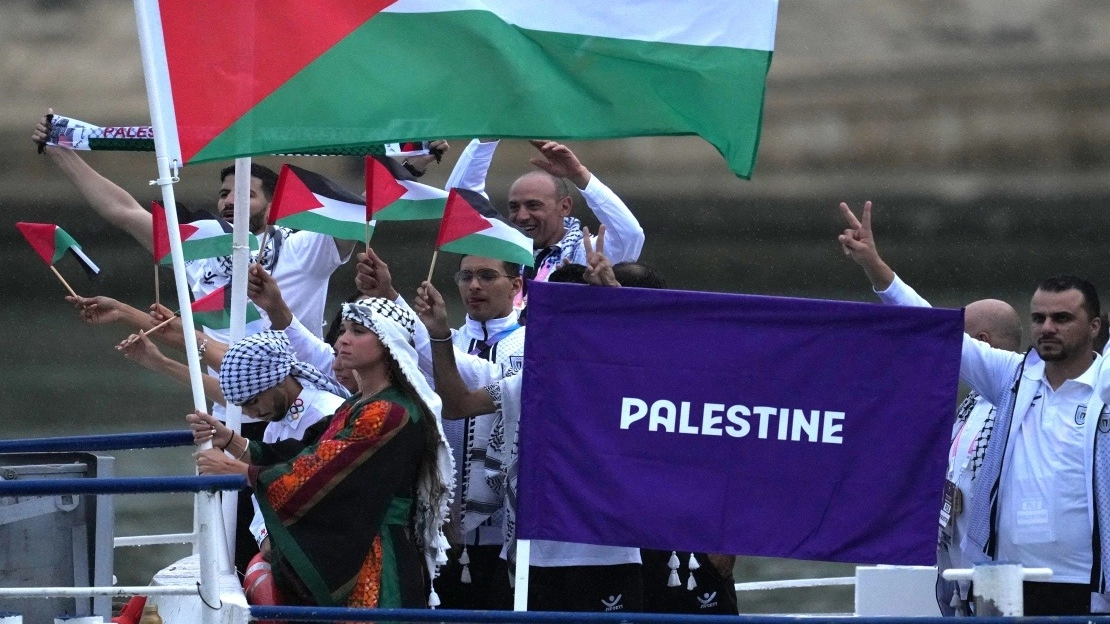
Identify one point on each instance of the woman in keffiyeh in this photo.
(351, 507)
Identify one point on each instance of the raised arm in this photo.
(111, 202)
(626, 237)
(102, 310)
(418, 165)
(139, 348)
(458, 400)
(472, 167)
(984, 368)
(172, 334)
(263, 290)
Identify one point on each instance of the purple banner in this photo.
(736, 424)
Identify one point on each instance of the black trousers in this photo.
(606, 588)
(488, 589)
(713, 593)
(1056, 598)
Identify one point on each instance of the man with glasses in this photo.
(475, 576)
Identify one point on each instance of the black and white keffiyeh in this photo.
(395, 327)
(267, 257)
(260, 362)
(363, 311)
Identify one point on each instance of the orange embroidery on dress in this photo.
(304, 468)
(368, 584)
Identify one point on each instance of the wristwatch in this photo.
(413, 170)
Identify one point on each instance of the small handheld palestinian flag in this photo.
(203, 234)
(392, 194)
(472, 226)
(51, 243)
(308, 201)
(214, 309)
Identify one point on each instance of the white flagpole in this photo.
(523, 558)
(240, 262)
(168, 153)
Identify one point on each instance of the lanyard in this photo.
(492, 340)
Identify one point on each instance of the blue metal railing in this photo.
(341, 614)
(122, 485)
(110, 442)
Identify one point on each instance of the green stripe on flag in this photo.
(592, 88)
(221, 319)
(212, 247)
(412, 210)
(62, 242)
(216, 319)
(490, 247)
(309, 220)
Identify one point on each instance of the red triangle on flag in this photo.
(382, 188)
(41, 237)
(291, 196)
(161, 240)
(162, 233)
(212, 302)
(249, 64)
(459, 219)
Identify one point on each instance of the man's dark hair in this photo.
(638, 275)
(1061, 283)
(1103, 334)
(568, 274)
(265, 175)
(512, 269)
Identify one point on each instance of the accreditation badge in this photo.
(953, 506)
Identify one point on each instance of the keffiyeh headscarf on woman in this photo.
(395, 327)
(261, 361)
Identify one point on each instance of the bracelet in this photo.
(201, 346)
(246, 447)
(229, 441)
(413, 170)
(447, 339)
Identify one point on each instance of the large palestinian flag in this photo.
(305, 200)
(203, 234)
(471, 226)
(214, 309)
(51, 243)
(287, 75)
(393, 195)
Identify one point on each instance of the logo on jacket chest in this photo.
(1081, 415)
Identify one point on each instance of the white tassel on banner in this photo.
(672, 563)
(433, 598)
(693, 563)
(691, 583)
(464, 561)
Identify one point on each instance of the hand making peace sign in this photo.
(599, 271)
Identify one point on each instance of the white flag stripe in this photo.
(416, 191)
(507, 233)
(340, 210)
(86, 259)
(745, 24)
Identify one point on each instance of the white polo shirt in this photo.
(1043, 519)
